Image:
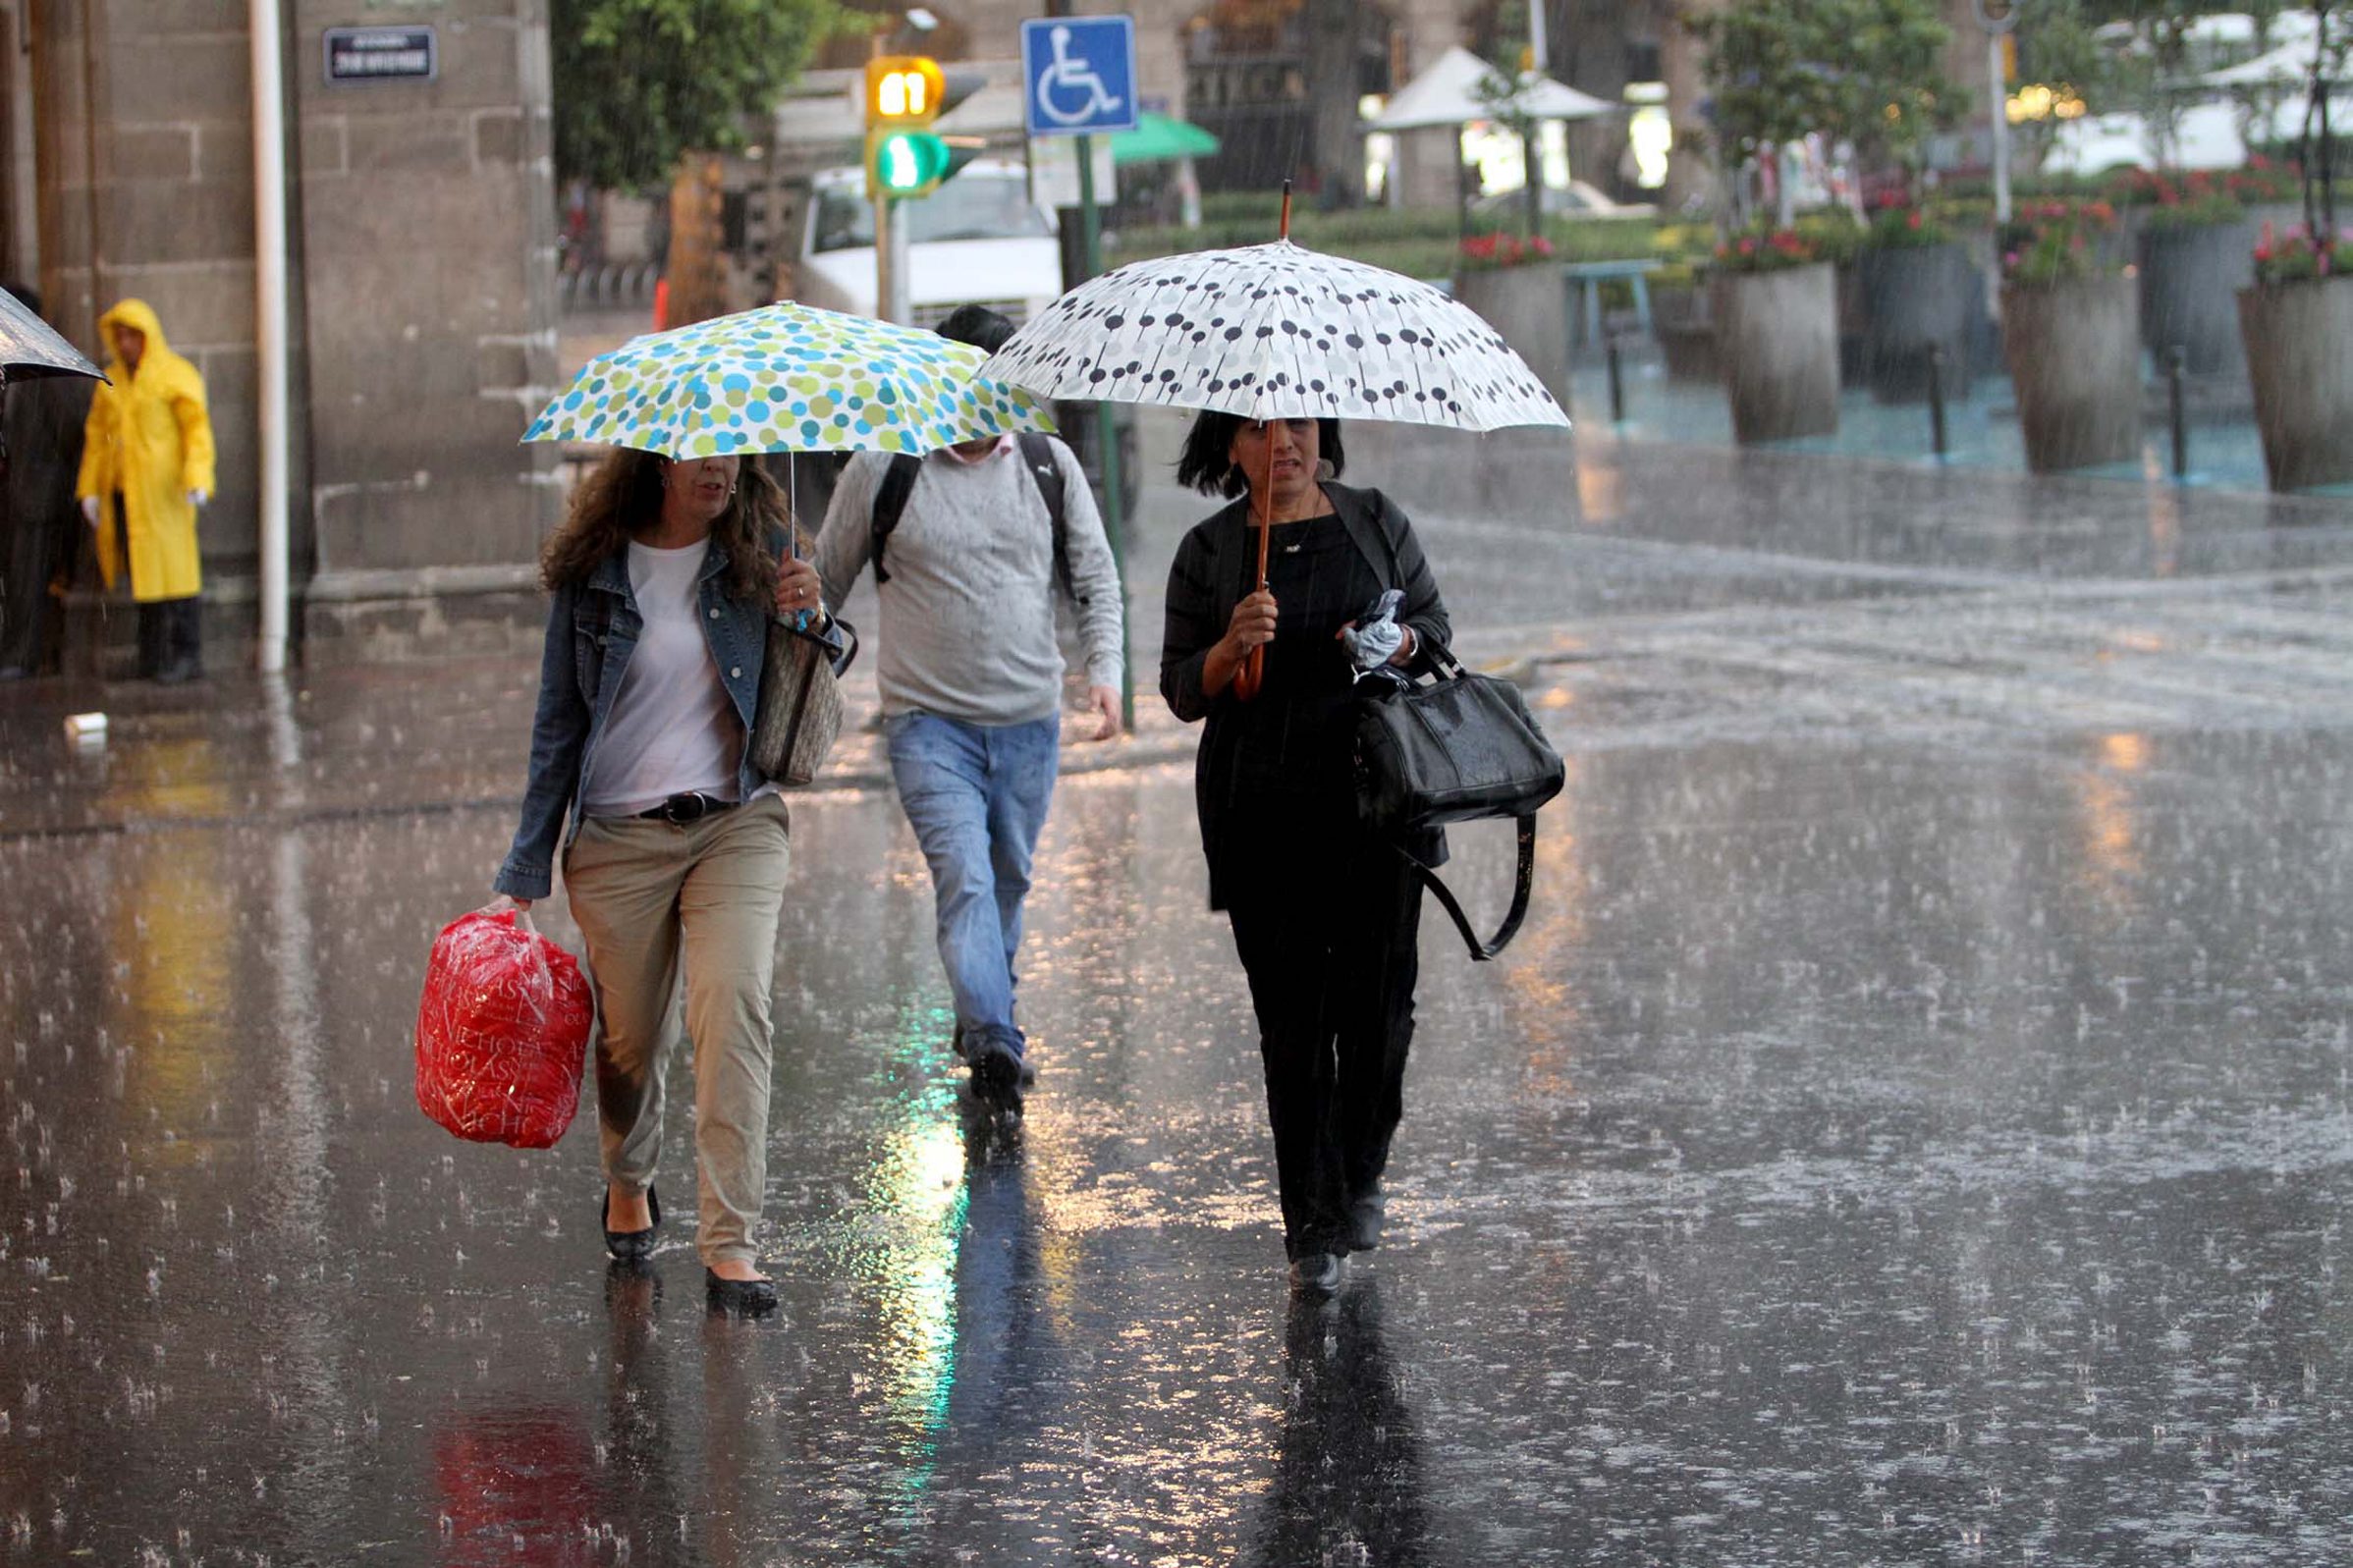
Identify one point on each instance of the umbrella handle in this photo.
(1250, 679)
(1252, 674)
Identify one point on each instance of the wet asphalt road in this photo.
(1913, 1127)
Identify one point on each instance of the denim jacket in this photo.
(591, 631)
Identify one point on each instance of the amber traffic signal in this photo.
(903, 91)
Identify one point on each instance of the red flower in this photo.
(1912, 219)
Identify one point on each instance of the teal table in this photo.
(1589, 276)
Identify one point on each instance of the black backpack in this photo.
(1037, 456)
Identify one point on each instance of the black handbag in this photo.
(1457, 747)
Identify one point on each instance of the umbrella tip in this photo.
(1284, 231)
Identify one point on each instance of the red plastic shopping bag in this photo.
(502, 1032)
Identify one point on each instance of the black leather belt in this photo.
(692, 806)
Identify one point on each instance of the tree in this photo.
(638, 82)
(1864, 72)
(2331, 59)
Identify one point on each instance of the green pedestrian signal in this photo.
(905, 164)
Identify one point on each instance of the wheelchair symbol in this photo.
(1066, 78)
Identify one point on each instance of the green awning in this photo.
(1160, 138)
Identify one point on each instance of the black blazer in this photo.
(1215, 570)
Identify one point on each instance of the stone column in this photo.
(427, 254)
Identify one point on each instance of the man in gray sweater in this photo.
(971, 675)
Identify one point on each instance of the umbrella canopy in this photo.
(31, 346)
(1276, 332)
(1161, 139)
(786, 378)
(1447, 94)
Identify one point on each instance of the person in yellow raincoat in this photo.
(146, 455)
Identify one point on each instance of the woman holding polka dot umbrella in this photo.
(664, 577)
(1276, 346)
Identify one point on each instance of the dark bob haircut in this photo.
(1206, 461)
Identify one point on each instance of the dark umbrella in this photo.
(31, 346)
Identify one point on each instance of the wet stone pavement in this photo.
(1912, 1128)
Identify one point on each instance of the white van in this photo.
(977, 239)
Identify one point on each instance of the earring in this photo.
(1324, 472)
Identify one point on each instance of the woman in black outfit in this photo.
(1324, 916)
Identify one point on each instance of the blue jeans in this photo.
(976, 796)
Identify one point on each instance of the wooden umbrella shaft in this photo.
(1251, 677)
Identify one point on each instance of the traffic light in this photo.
(903, 158)
(904, 93)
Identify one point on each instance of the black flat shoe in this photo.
(1365, 1216)
(630, 1245)
(749, 1298)
(1319, 1273)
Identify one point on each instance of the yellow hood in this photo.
(139, 316)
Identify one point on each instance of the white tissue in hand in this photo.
(1376, 638)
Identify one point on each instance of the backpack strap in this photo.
(1037, 456)
(890, 504)
(1523, 878)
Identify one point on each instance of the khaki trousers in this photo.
(647, 896)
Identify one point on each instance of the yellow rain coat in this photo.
(149, 436)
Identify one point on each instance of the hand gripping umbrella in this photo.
(1275, 332)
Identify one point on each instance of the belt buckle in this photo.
(680, 810)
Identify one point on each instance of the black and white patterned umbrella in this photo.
(1275, 332)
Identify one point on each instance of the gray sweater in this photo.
(967, 617)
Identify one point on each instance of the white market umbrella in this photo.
(1447, 94)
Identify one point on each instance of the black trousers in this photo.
(1327, 921)
(171, 638)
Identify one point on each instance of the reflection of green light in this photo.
(917, 1198)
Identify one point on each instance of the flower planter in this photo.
(1776, 339)
(2074, 351)
(1686, 332)
(1529, 305)
(2299, 344)
(2190, 278)
(1915, 299)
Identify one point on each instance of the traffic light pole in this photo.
(1107, 436)
(891, 261)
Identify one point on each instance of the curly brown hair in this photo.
(623, 497)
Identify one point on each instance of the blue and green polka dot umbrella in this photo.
(786, 378)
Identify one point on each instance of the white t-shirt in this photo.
(673, 726)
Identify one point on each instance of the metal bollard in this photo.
(1935, 397)
(2176, 363)
(1617, 383)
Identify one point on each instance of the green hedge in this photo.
(1420, 242)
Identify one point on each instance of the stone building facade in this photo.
(422, 242)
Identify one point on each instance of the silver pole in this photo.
(1998, 101)
(895, 306)
(263, 20)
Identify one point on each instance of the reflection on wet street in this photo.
(1913, 1127)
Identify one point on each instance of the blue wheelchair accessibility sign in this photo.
(1081, 74)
